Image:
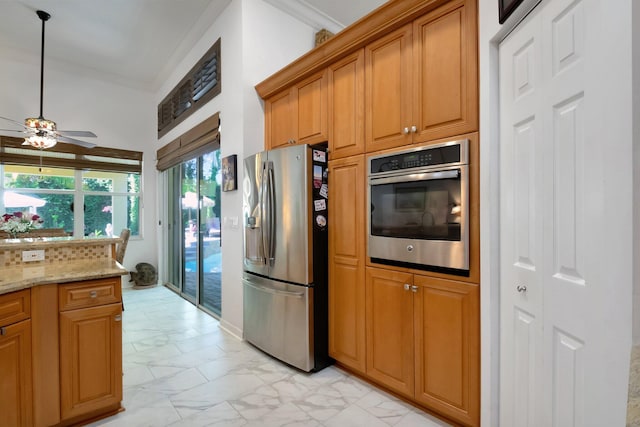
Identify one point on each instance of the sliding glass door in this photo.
(195, 231)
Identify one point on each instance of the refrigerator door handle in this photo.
(272, 215)
(263, 210)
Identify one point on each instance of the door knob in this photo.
(405, 130)
(407, 286)
(414, 129)
(414, 288)
(521, 288)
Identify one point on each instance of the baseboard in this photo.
(232, 329)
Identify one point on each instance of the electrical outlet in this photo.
(36, 255)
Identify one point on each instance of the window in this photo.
(105, 182)
(110, 200)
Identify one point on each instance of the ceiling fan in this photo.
(40, 132)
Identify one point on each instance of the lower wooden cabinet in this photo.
(90, 359)
(423, 341)
(15, 375)
(61, 353)
(389, 307)
(447, 347)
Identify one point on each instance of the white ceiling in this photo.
(137, 42)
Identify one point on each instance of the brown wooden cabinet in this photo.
(346, 106)
(423, 340)
(421, 80)
(90, 348)
(15, 360)
(347, 261)
(447, 347)
(298, 115)
(389, 311)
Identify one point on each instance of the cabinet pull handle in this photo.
(407, 286)
(521, 288)
(93, 294)
(118, 317)
(414, 129)
(414, 288)
(3, 331)
(405, 131)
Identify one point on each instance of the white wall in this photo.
(256, 40)
(120, 116)
(635, 44)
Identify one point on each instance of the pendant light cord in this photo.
(44, 16)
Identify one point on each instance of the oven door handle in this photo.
(424, 176)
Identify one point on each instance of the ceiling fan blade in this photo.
(75, 141)
(81, 133)
(13, 121)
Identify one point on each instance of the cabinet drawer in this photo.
(15, 307)
(90, 293)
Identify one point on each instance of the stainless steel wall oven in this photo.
(419, 207)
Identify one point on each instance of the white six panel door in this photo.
(552, 191)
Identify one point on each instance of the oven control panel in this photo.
(422, 157)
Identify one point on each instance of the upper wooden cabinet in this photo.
(421, 80)
(298, 115)
(347, 262)
(346, 106)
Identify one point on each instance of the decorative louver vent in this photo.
(199, 86)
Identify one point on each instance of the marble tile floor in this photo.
(181, 369)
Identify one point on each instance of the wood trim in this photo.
(45, 355)
(202, 138)
(388, 17)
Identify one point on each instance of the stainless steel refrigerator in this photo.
(285, 254)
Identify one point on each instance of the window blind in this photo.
(70, 156)
(198, 86)
(202, 139)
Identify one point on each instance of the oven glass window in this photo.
(428, 210)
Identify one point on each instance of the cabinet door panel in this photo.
(346, 262)
(445, 78)
(389, 312)
(346, 106)
(388, 70)
(15, 375)
(279, 120)
(447, 347)
(90, 359)
(311, 110)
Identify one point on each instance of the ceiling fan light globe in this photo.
(41, 141)
(38, 123)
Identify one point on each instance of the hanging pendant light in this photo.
(44, 136)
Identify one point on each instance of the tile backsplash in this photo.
(57, 254)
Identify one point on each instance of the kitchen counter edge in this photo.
(20, 277)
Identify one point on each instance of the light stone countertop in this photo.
(633, 403)
(52, 242)
(19, 277)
